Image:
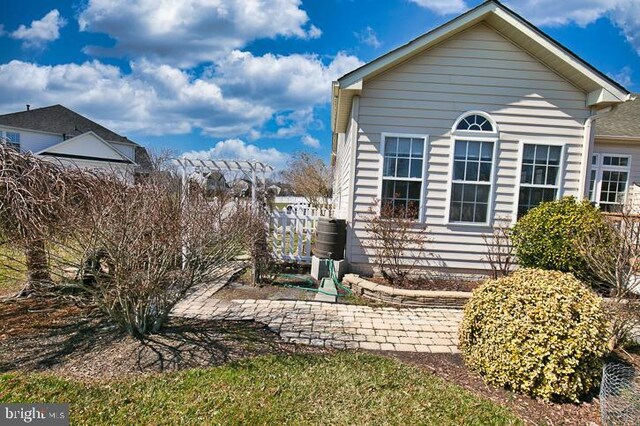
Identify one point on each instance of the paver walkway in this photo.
(333, 325)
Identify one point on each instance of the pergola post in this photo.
(253, 187)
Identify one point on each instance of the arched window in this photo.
(475, 121)
(474, 140)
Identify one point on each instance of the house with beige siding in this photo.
(474, 123)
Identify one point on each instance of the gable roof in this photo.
(622, 122)
(87, 146)
(61, 120)
(601, 89)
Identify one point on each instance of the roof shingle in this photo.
(623, 121)
(61, 120)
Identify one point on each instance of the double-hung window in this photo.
(471, 183)
(402, 174)
(474, 143)
(539, 175)
(609, 181)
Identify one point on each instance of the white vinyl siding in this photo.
(343, 169)
(425, 96)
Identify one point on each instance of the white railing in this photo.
(293, 230)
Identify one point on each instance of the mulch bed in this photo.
(74, 341)
(436, 284)
(78, 342)
(452, 369)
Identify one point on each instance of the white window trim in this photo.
(600, 167)
(423, 201)
(561, 170)
(462, 137)
(475, 132)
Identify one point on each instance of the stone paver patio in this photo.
(335, 325)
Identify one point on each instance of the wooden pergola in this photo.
(252, 170)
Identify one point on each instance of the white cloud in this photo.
(41, 31)
(369, 37)
(624, 76)
(442, 7)
(288, 82)
(236, 149)
(625, 14)
(310, 141)
(152, 99)
(189, 32)
(161, 99)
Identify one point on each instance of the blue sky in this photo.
(247, 78)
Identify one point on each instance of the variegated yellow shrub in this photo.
(537, 332)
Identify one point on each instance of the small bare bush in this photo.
(500, 251)
(399, 241)
(146, 246)
(612, 256)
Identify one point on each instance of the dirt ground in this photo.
(452, 369)
(78, 342)
(439, 284)
(282, 291)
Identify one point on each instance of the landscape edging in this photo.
(404, 297)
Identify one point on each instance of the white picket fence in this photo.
(293, 230)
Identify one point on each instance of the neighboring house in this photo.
(58, 133)
(614, 175)
(474, 123)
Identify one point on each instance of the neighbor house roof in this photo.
(600, 89)
(622, 122)
(61, 120)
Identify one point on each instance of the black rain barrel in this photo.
(331, 235)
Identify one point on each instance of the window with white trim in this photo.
(539, 175)
(403, 173)
(13, 139)
(609, 180)
(471, 182)
(474, 141)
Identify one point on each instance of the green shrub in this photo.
(547, 236)
(537, 332)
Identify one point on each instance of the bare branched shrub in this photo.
(500, 250)
(399, 241)
(39, 200)
(612, 255)
(146, 246)
(309, 177)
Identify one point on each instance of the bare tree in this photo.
(310, 177)
(39, 200)
(500, 250)
(399, 241)
(612, 255)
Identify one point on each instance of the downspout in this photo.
(587, 149)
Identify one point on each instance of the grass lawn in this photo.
(12, 272)
(346, 388)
